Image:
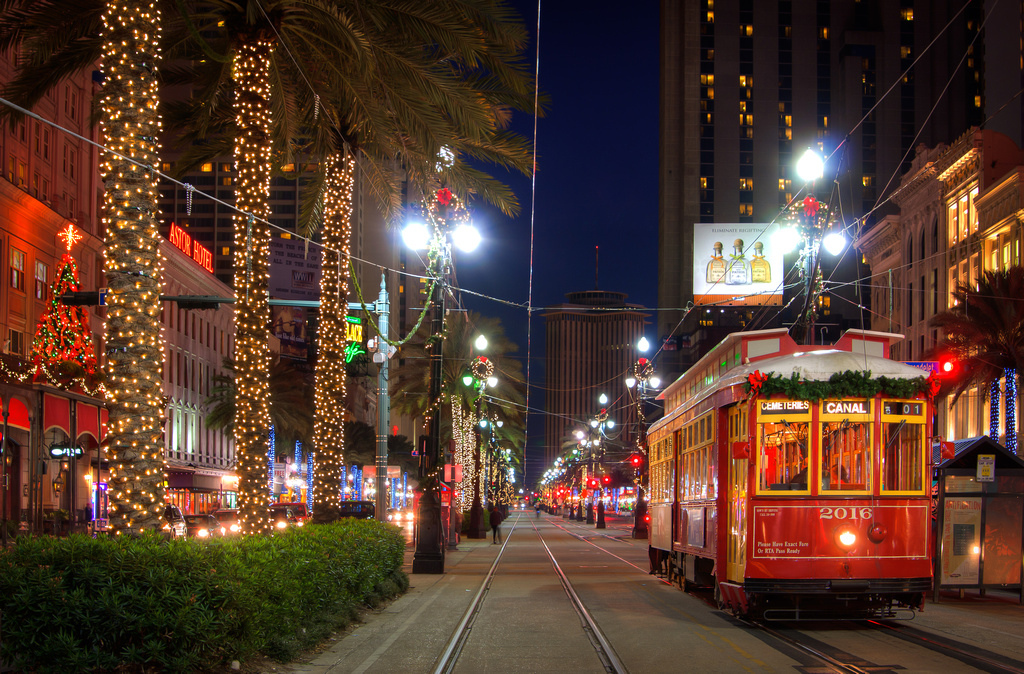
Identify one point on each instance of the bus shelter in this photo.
(978, 518)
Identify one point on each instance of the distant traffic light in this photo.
(636, 461)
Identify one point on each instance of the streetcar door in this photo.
(736, 500)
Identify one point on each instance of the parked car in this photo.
(174, 521)
(203, 526)
(293, 513)
(228, 518)
(363, 510)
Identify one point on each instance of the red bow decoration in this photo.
(444, 196)
(811, 206)
(756, 379)
(933, 385)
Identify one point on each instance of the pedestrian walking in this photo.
(496, 524)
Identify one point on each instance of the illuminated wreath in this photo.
(482, 368)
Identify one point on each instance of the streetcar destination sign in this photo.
(846, 407)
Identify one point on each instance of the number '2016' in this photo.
(841, 513)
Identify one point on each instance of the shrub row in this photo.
(146, 604)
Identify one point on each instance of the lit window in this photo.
(743, 106)
(711, 93)
(907, 14)
(788, 120)
(905, 52)
(225, 168)
(207, 167)
(977, 101)
(747, 29)
(782, 184)
(42, 274)
(703, 183)
(867, 181)
(788, 133)
(746, 184)
(823, 32)
(225, 251)
(17, 269)
(711, 17)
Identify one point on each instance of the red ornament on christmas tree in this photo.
(63, 344)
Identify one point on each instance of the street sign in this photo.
(926, 365)
(103, 297)
(986, 468)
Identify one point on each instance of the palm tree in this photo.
(985, 331)
(125, 36)
(402, 80)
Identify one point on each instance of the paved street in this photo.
(526, 623)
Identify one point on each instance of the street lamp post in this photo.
(437, 239)
(641, 379)
(480, 377)
(813, 231)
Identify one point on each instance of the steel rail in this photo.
(604, 649)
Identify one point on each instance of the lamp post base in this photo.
(600, 515)
(640, 521)
(477, 526)
(590, 513)
(429, 555)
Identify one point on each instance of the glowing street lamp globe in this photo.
(416, 236)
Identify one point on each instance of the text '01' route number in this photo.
(862, 513)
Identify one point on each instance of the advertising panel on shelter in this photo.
(736, 264)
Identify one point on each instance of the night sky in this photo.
(597, 180)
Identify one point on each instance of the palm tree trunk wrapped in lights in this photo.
(252, 264)
(329, 438)
(131, 125)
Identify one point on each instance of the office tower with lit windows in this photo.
(747, 86)
(591, 343)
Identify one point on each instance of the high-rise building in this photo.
(590, 346)
(748, 86)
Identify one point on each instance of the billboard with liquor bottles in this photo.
(736, 264)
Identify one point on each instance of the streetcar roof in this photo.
(816, 365)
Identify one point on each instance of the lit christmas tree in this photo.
(62, 348)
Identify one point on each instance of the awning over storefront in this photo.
(17, 415)
(87, 420)
(56, 413)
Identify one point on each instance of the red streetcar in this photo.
(795, 479)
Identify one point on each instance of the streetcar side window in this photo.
(783, 455)
(846, 455)
(902, 457)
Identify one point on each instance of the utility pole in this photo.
(383, 355)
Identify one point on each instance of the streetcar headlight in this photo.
(847, 538)
(281, 524)
(203, 533)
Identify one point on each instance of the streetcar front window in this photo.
(846, 456)
(902, 457)
(783, 459)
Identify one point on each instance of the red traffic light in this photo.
(606, 479)
(948, 367)
(636, 460)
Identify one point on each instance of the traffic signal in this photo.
(949, 367)
(636, 461)
(593, 483)
(606, 479)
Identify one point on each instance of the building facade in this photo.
(590, 349)
(959, 217)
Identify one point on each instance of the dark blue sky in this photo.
(597, 175)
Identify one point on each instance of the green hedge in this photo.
(133, 604)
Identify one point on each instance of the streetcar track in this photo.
(840, 660)
(953, 649)
(606, 653)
